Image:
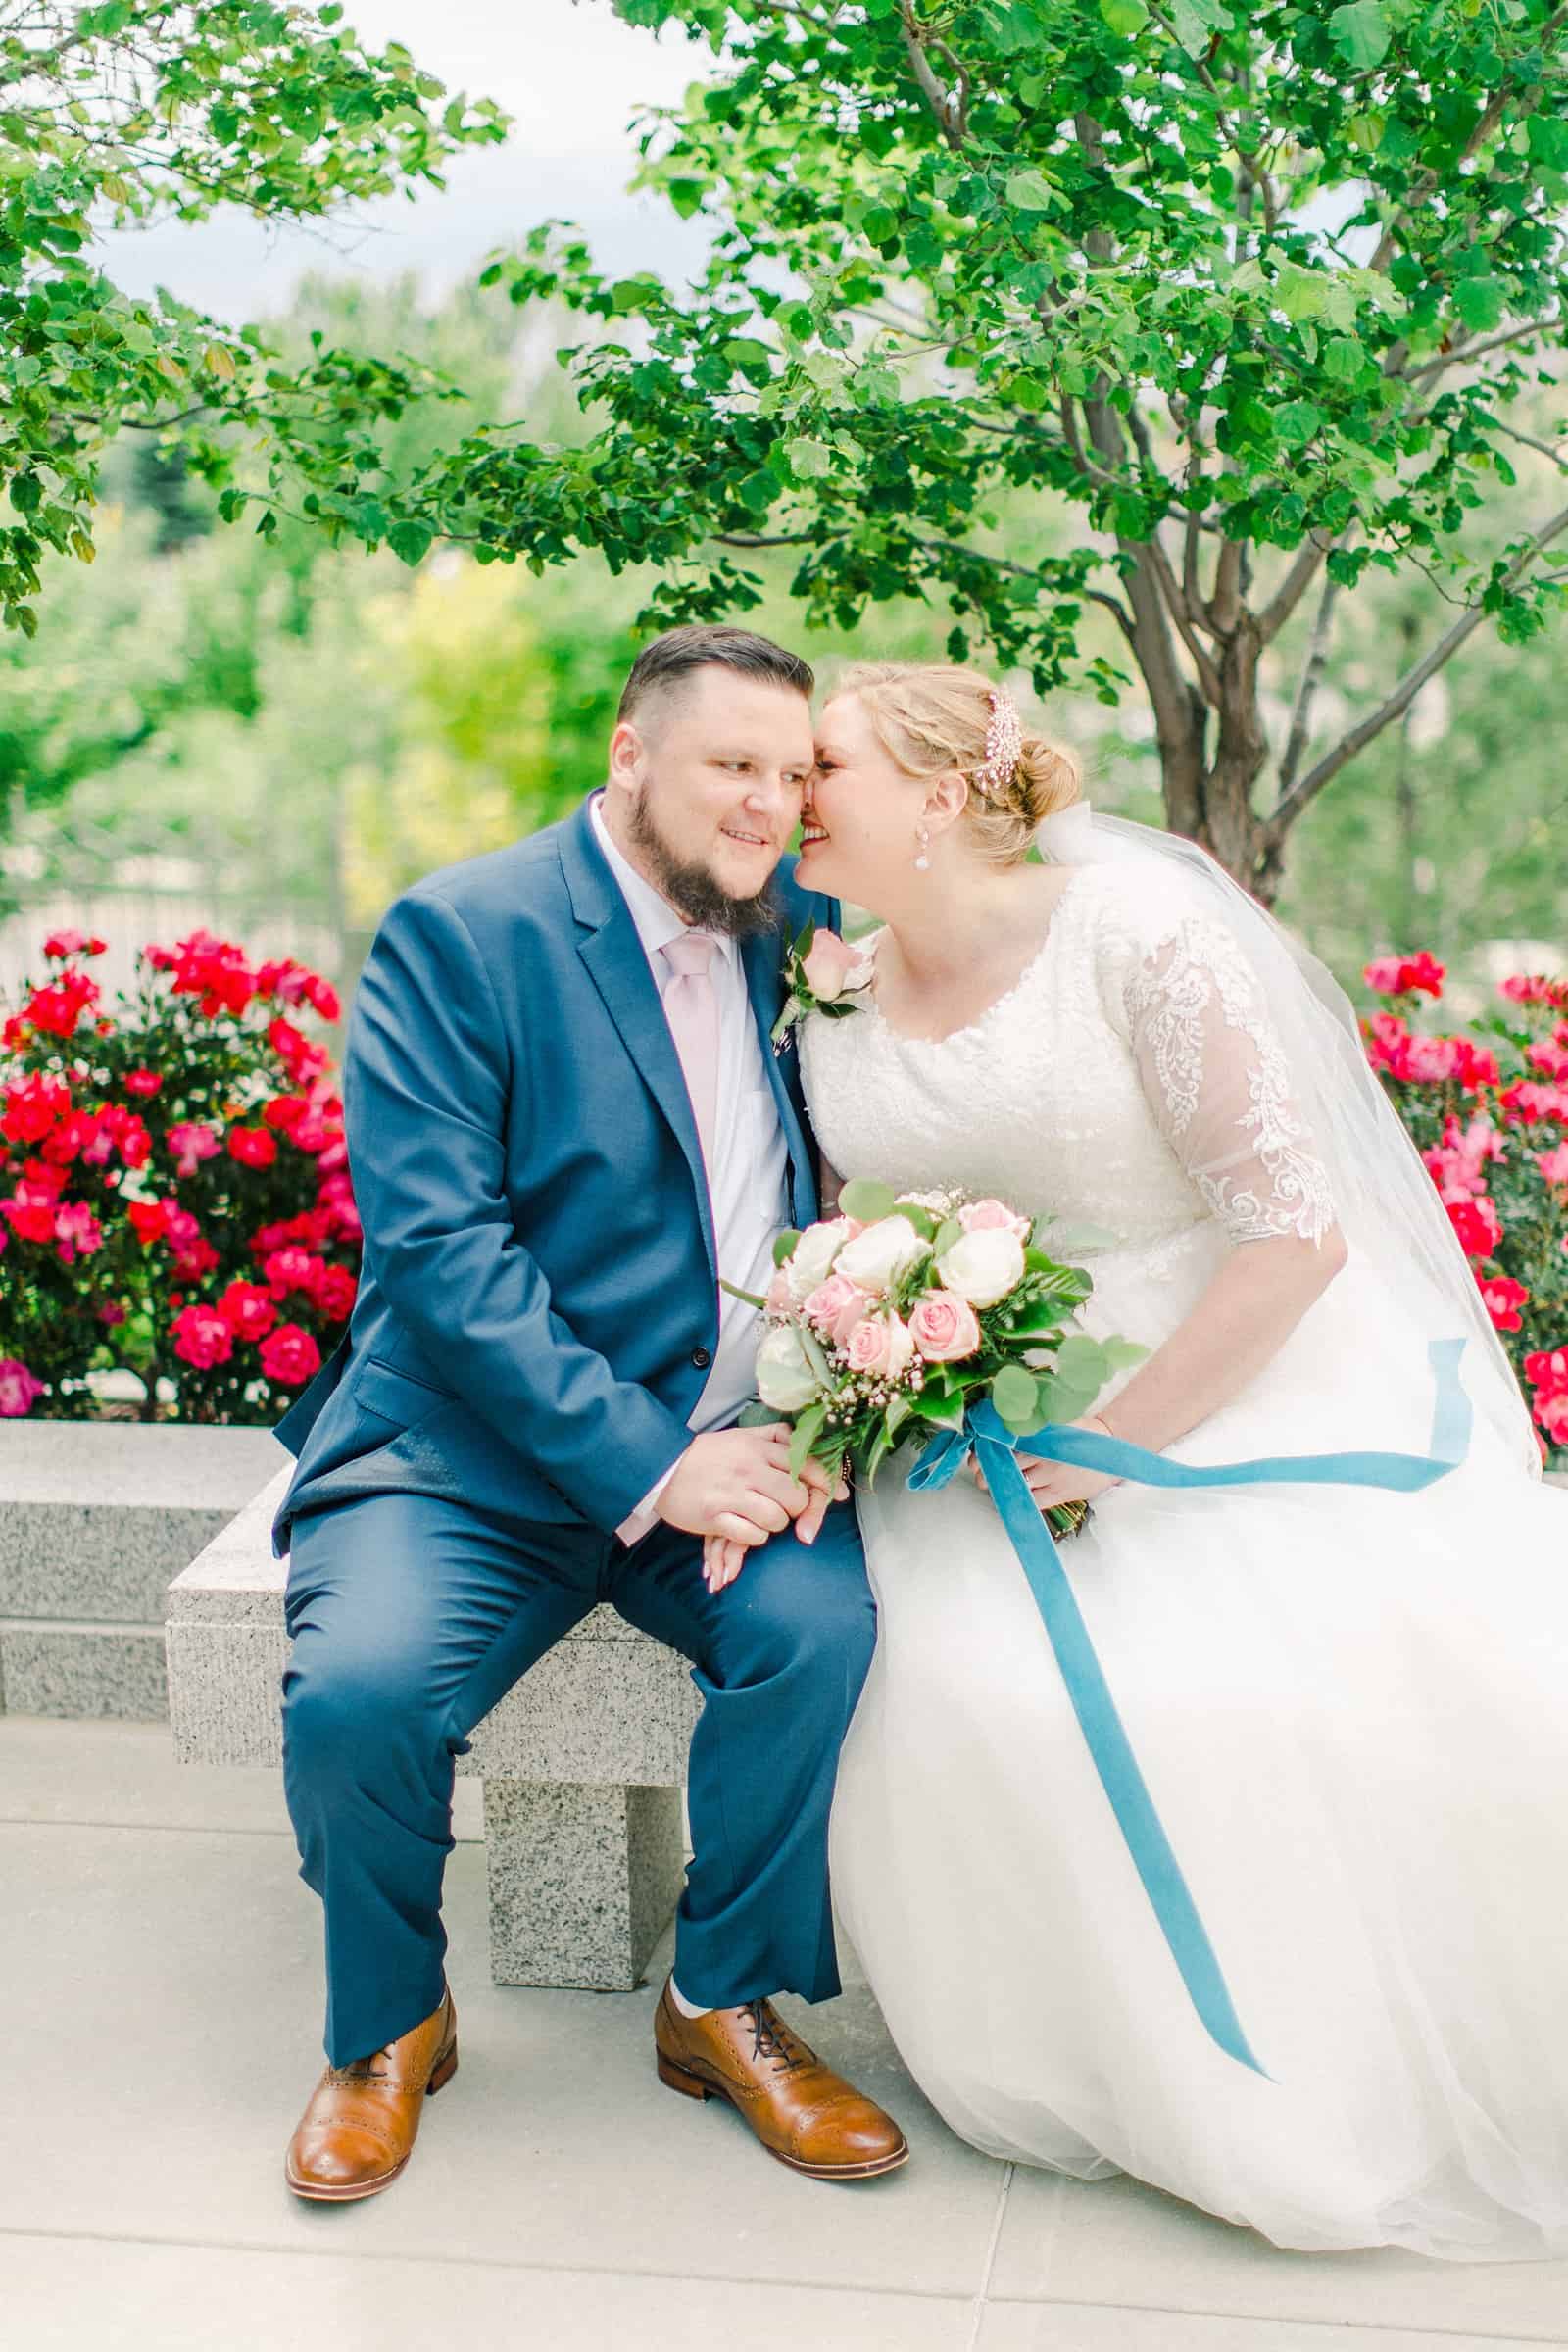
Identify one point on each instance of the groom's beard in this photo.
(692, 890)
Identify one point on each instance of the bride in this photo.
(1350, 1706)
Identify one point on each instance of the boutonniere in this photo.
(820, 975)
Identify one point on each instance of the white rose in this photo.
(785, 1379)
(982, 1267)
(876, 1258)
(812, 1261)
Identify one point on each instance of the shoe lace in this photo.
(772, 2039)
(360, 2070)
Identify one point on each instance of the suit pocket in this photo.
(395, 1395)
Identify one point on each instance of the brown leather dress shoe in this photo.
(356, 2132)
(802, 2112)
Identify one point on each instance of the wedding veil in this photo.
(1385, 1203)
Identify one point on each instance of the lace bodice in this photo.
(1131, 1079)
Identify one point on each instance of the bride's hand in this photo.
(722, 1562)
(1051, 1484)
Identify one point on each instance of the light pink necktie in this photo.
(691, 1008)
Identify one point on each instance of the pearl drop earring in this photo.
(923, 837)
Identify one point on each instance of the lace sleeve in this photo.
(1215, 1072)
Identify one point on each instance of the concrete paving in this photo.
(160, 1963)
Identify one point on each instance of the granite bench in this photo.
(95, 1517)
(584, 1762)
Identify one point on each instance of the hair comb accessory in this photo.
(1003, 745)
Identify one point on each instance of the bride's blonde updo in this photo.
(930, 719)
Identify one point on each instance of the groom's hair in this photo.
(672, 659)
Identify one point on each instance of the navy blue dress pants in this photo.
(413, 1614)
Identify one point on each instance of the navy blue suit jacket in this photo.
(539, 1301)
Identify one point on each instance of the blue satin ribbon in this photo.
(995, 1445)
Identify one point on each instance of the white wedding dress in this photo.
(1350, 1706)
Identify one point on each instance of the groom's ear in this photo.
(627, 753)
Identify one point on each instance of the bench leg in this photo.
(583, 1880)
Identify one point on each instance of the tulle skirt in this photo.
(1351, 1711)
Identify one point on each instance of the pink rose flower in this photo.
(1553, 1166)
(944, 1328)
(993, 1216)
(202, 1338)
(827, 967)
(779, 1301)
(880, 1345)
(826, 1305)
(192, 1142)
(18, 1387)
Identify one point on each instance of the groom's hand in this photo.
(736, 1483)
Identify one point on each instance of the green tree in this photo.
(135, 109)
(1253, 291)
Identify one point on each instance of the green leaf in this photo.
(1082, 1361)
(941, 1410)
(1196, 22)
(759, 491)
(1548, 135)
(921, 1219)
(785, 1245)
(806, 1430)
(755, 1414)
(1031, 192)
(1297, 421)
(1016, 1394)
(410, 541)
(866, 1200)
(1121, 1355)
(1301, 293)
(1360, 33)
(750, 1296)
(1480, 302)
(808, 460)
(1126, 18)
(1062, 1400)
(944, 1236)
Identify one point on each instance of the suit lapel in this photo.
(614, 958)
(764, 983)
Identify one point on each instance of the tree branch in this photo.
(1303, 570)
(1409, 687)
(1307, 688)
(945, 105)
(1466, 352)
(1208, 675)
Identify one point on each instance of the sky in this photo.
(568, 72)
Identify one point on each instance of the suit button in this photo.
(701, 1359)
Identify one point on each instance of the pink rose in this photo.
(18, 1390)
(191, 1141)
(880, 1345)
(993, 1216)
(779, 1301)
(944, 1327)
(1553, 1166)
(828, 1303)
(828, 966)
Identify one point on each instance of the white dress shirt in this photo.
(749, 1186)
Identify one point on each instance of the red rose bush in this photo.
(175, 1194)
(1490, 1121)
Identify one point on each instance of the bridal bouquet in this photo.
(892, 1318)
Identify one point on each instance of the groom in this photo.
(565, 1125)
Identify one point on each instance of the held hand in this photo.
(723, 1557)
(1052, 1484)
(735, 1482)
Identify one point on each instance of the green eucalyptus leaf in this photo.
(1015, 1394)
(866, 1200)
